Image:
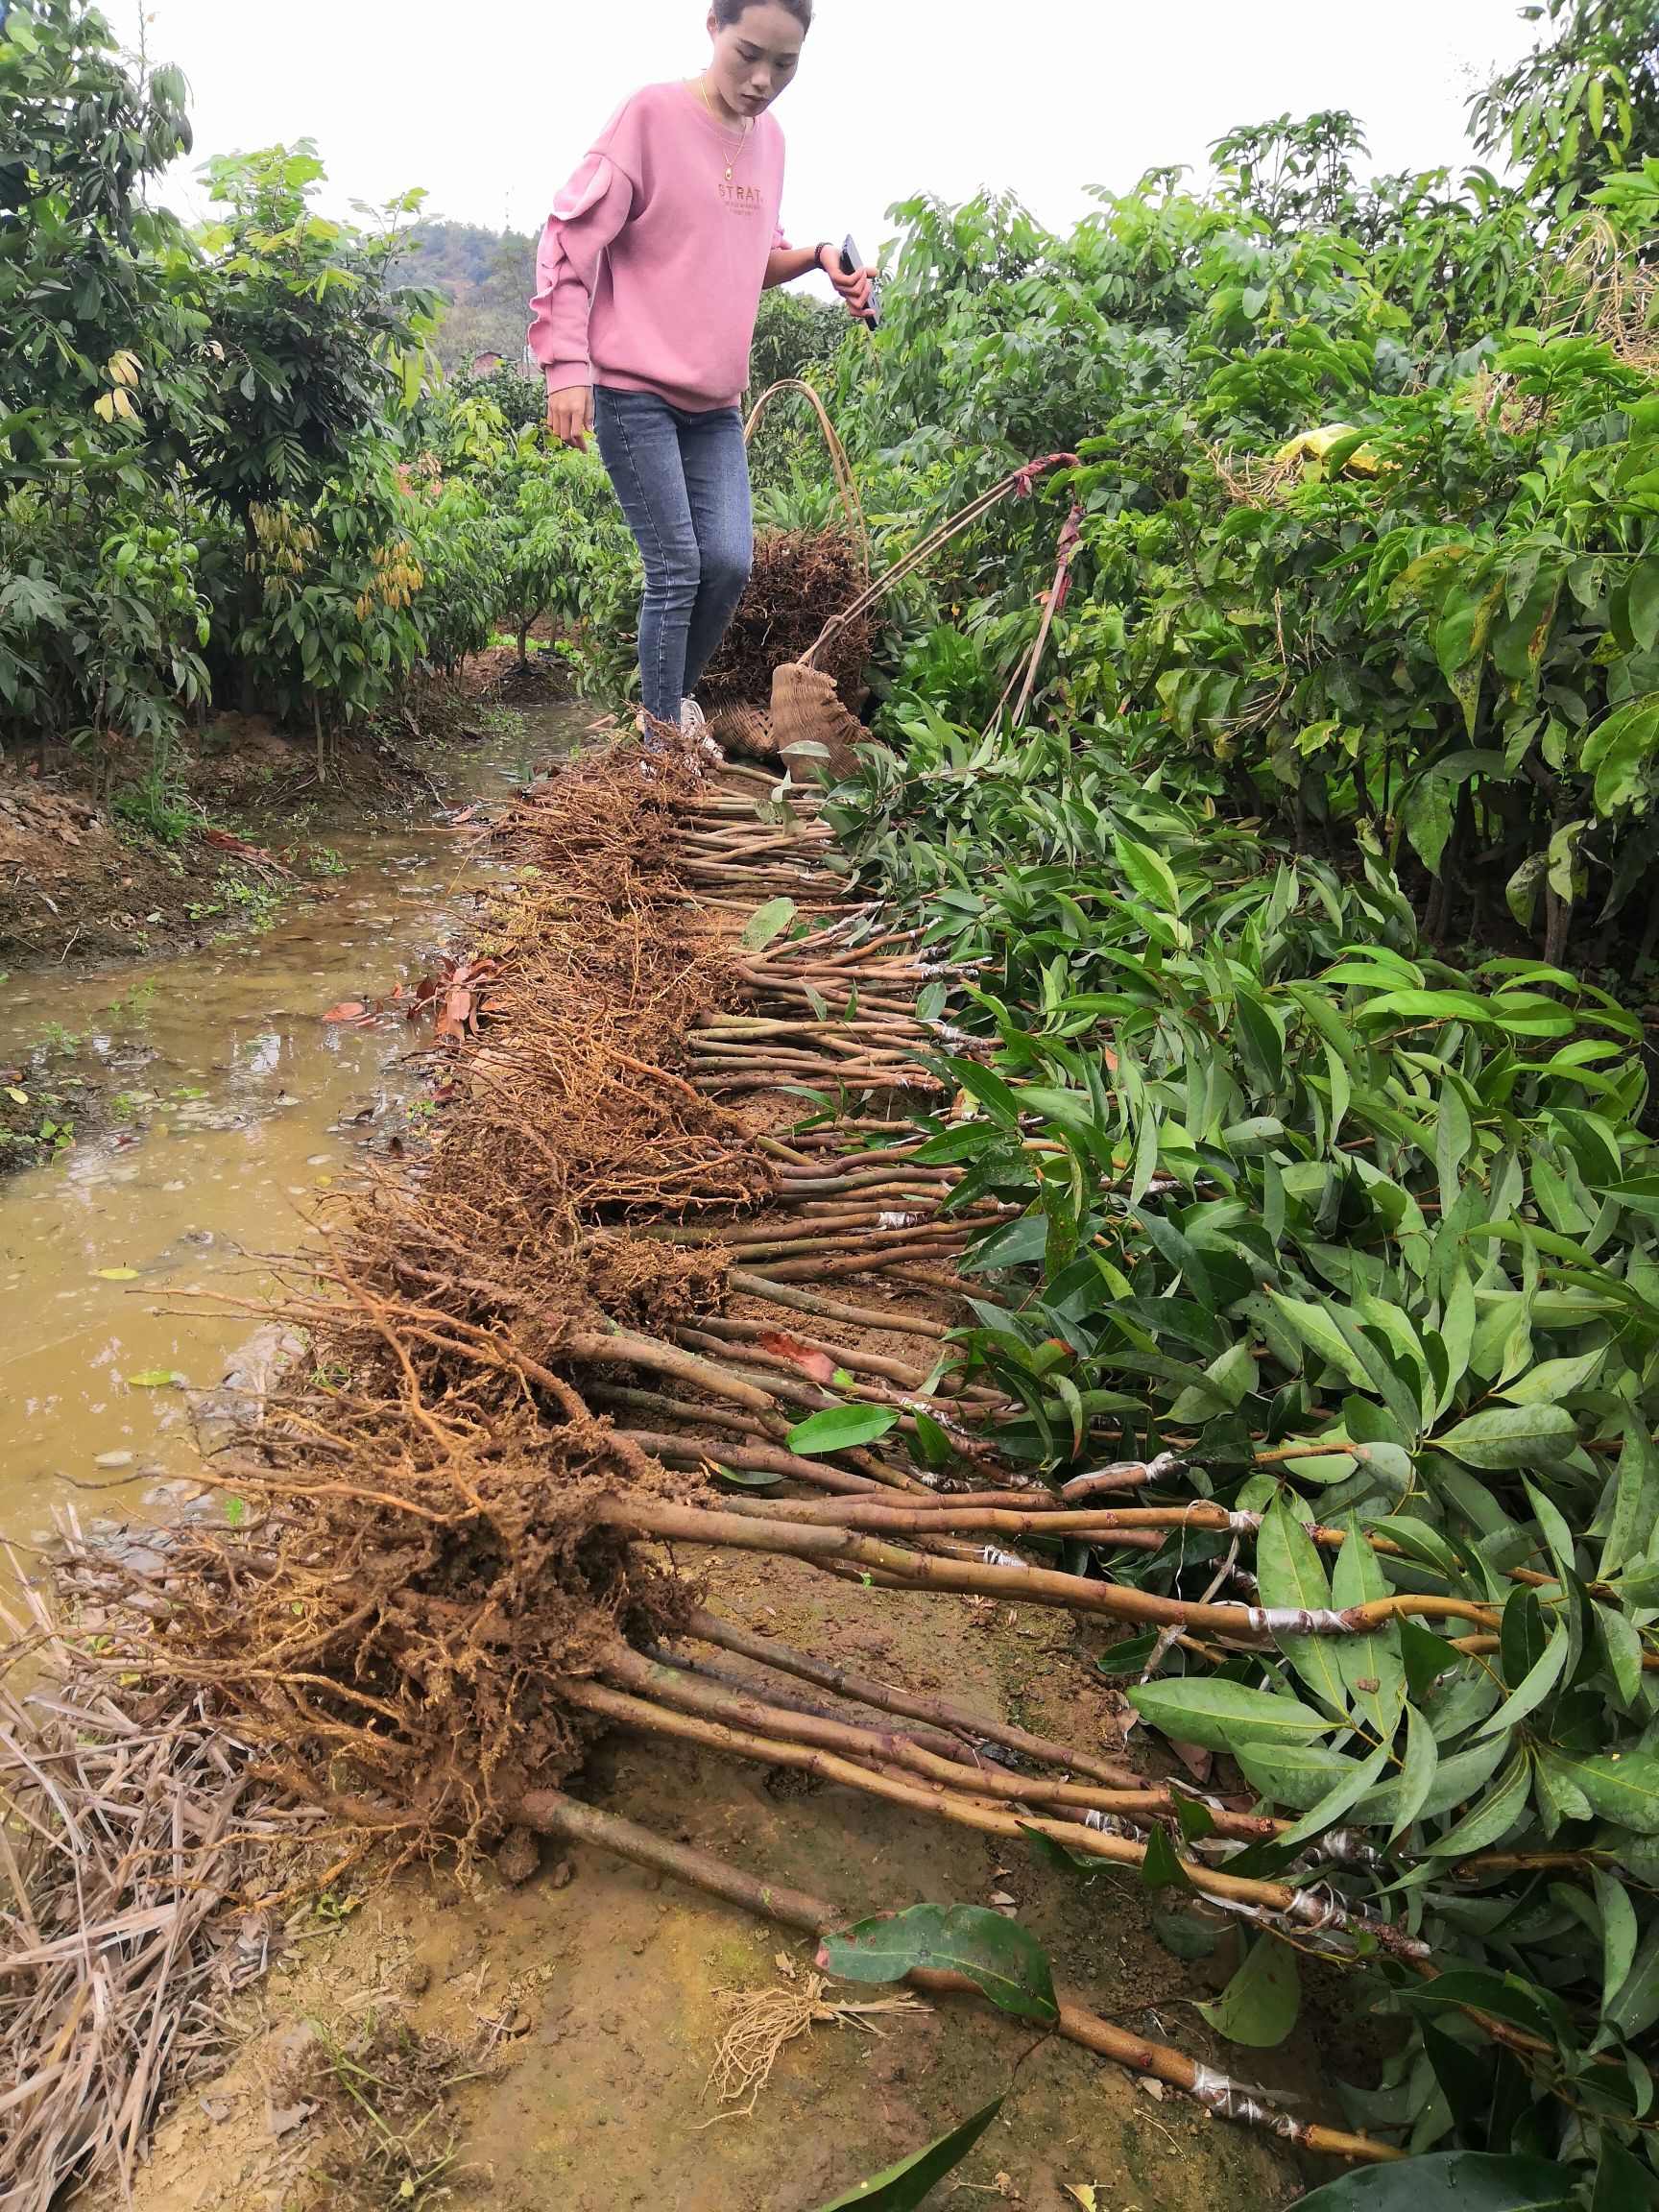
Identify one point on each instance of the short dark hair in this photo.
(728, 13)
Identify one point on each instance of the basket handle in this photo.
(838, 461)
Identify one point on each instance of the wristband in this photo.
(823, 247)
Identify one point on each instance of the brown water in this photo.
(241, 1113)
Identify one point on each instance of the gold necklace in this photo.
(719, 127)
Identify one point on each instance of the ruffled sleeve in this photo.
(588, 215)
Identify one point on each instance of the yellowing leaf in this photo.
(156, 1379)
(117, 1274)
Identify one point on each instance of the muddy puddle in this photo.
(230, 1112)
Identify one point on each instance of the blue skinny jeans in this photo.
(683, 482)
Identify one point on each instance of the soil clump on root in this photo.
(800, 580)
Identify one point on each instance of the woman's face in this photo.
(757, 58)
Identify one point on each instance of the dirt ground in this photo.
(76, 877)
(592, 1988)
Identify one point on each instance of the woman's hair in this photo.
(730, 13)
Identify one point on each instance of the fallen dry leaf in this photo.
(1199, 1764)
(352, 1010)
(817, 1365)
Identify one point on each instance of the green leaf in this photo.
(766, 923)
(1523, 1638)
(1290, 1573)
(1622, 2184)
(1512, 1437)
(1259, 2004)
(156, 1379)
(1622, 1786)
(1553, 1382)
(1417, 1772)
(1618, 1934)
(1299, 1775)
(841, 1428)
(1187, 1936)
(1373, 1669)
(1218, 1715)
(1349, 1789)
(907, 2185)
(1529, 1693)
(1448, 2181)
(1465, 2075)
(1320, 1334)
(997, 1956)
(1162, 1868)
(1493, 1818)
(1458, 1776)
(1427, 1657)
(1636, 1501)
(1620, 749)
(989, 1090)
(1634, 2011)
(1149, 873)
(1454, 1134)
(937, 1448)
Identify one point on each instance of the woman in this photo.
(648, 282)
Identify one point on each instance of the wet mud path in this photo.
(229, 1111)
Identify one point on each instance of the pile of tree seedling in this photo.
(450, 1559)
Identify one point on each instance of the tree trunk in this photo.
(246, 694)
(1557, 927)
(1449, 877)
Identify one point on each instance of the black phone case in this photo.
(850, 260)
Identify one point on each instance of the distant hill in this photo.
(487, 277)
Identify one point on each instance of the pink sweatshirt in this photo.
(652, 266)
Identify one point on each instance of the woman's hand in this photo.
(571, 415)
(854, 290)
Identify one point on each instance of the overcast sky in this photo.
(491, 104)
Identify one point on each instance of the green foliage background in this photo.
(1309, 922)
(230, 472)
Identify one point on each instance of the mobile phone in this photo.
(852, 261)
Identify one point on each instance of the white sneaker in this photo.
(694, 729)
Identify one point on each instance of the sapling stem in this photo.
(550, 1813)
(908, 1704)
